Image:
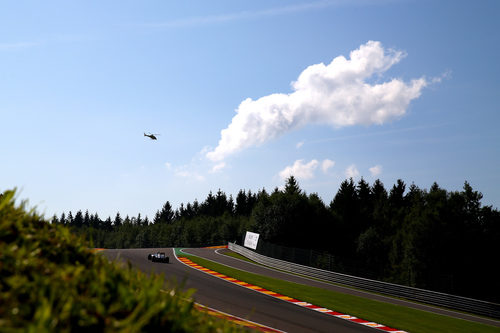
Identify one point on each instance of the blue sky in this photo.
(244, 93)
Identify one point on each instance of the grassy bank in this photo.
(396, 316)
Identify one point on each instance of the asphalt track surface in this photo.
(217, 256)
(247, 304)
(235, 300)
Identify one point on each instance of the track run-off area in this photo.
(262, 309)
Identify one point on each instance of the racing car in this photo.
(158, 257)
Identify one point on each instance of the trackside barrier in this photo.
(415, 294)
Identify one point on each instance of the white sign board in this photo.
(251, 240)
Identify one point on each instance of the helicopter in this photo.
(151, 136)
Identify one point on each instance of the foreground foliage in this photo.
(50, 281)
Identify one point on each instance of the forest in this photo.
(427, 238)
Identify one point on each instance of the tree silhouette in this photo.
(166, 215)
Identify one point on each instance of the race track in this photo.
(236, 300)
(242, 302)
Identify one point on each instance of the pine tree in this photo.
(107, 224)
(54, 220)
(70, 219)
(86, 219)
(241, 203)
(166, 215)
(292, 187)
(118, 220)
(95, 221)
(78, 221)
(62, 220)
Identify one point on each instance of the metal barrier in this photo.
(415, 294)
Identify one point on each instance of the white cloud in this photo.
(337, 94)
(168, 165)
(299, 144)
(352, 172)
(196, 21)
(191, 175)
(300, 170)
(218, 167)
(59, 38)
(18, 45)
(375, 170)
(326, 165)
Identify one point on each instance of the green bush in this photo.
(50, 281)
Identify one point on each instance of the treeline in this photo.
(433, 239)
(216, 220)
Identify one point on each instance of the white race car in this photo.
(158, 257)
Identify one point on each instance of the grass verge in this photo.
(239, 256)
(396, 316)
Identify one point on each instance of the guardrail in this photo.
(415, 294)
